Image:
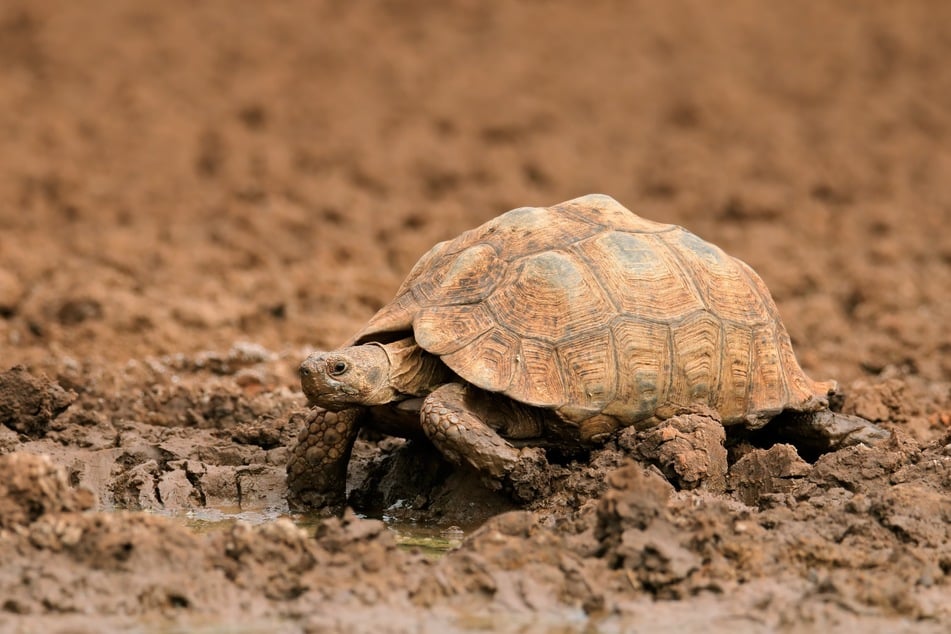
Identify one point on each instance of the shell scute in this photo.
(721, 279)
(735, 373)
(589, 369)
(550, 296)
(538, 377)
(640, 276)
(445, 329)
(465, 277)
(768, 395)
(644, 363)
(697, 346)
(605, 211)
(489, 361)
(530, 230)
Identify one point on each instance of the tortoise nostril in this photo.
(304, 370)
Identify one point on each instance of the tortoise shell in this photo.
(586, 308)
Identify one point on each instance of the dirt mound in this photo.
(28, 404)
(32, 486)
(865, 528)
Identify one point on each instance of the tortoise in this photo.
(554, 327)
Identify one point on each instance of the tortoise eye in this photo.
(338, 367)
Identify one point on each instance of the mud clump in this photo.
(687, 448)
(28, 404)
(487, 574)
(32, 486)
(763, 472)
(636, 534)
(125, 564)
(879, 544)
(642, 538)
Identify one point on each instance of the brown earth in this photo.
(195, 195)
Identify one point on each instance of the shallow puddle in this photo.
(462, 624)
(431, 538)
(209, 519)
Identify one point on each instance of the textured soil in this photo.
(194, 196)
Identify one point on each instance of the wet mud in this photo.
(193, 198)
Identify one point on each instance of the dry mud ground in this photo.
(194, 195)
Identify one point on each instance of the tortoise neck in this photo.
(413, 371)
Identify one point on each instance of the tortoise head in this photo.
(358, 375)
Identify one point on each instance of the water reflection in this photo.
(411, 532)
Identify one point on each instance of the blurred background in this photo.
(177, 175)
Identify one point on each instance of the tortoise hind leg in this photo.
(456, 420)
(824, 431)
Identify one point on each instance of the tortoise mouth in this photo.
(314, 381)
(316, 392)
(328, 400)
(325, 394)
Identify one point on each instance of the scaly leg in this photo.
(454, 418)
(317, 467)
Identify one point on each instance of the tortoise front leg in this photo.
(454, 419)
(317, 467)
